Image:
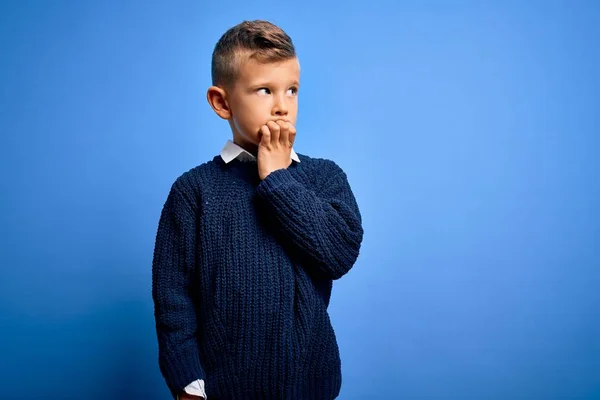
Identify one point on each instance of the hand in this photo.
(185, 396)
(275, 147)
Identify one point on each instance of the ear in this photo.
(217, 99)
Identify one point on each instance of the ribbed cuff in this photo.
(179, 374)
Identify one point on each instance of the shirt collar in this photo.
(232, 151)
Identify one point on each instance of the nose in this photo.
(280, 107)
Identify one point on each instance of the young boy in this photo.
(248, 244)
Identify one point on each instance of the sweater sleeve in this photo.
(173, 267)
(325, 227)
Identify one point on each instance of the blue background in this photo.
(470, 135)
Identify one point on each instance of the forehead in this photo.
(252, 71)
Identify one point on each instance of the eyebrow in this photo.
(261, 84)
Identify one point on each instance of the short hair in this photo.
(257, 39)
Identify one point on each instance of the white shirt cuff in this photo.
(196, 388)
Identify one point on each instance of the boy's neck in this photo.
(249, 147)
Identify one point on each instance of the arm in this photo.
(325, 228)
(172, 271)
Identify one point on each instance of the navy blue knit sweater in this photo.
(242, 276)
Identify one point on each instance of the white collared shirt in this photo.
(230, 152)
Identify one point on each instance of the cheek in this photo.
(249, 121)
(252, 120)
(293, 111)
(252, 113)
(256, 114)
(293, 106)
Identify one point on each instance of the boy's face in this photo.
(262, 92)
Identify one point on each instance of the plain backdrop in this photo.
(469, 131)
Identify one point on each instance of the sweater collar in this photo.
(232, 151)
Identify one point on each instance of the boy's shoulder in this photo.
(319, 165)
(196, 176)
(313, 161)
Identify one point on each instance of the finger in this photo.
(275, 131)
(265, 140)
(284, 127)
(292, 134)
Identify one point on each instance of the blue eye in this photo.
(263, 91)
(293, 90)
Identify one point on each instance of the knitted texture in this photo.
(242, 276)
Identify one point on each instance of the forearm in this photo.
(324, 229)
(178, 349)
